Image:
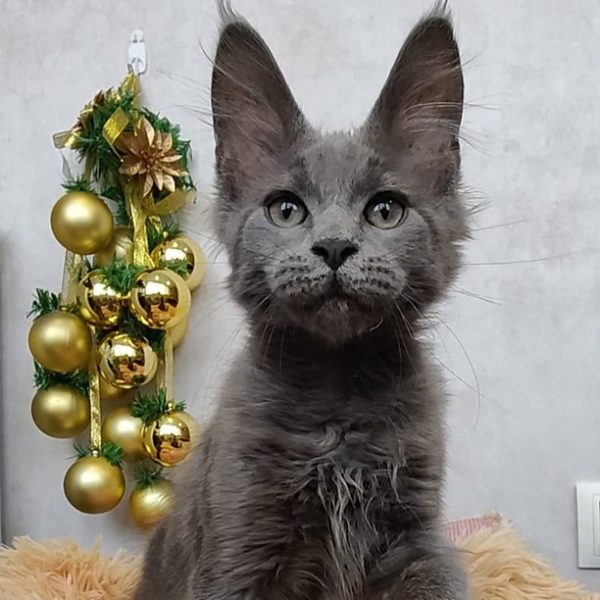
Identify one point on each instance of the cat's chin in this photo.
(336, 320)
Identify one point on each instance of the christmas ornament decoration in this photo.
(122, 428)
(149, 157)
(119, 249)
(120, 312)
(169, 439)
(151, 500)
(160, 299)
(60, 341)
(94, 483)
(99, 303)
(60, 411)
(110, 392)
(169, 433)
(179, 332)
(183, 256)
(126, 362)
(82, 222)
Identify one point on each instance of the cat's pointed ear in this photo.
(423, 94)
(256, 119)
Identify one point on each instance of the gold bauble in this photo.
(82, 223)
(60, 341)
(179, 332)
(126, 362)
(160, 299)
(120, 248)
(150, 505)
(182, 251)
(121, 427)
(93, 485)
(110, 392)
(99, 304)
(170, 439)
(60, 411)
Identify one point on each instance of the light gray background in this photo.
(533, 350)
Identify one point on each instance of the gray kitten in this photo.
(320, 475)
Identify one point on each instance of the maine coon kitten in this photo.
(319, 477)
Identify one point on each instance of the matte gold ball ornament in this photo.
(60, 411)
(60, 341)
(122, 428)
(109, 392)
(93, 485)
(151, 504)
(99, 303)
(182, 253)
(126, 362)
(160, 299)
(170, 438)
(82, 222)
(119, 249)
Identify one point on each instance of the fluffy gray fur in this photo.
(320, 475)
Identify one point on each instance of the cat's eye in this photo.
(386, 210)
(285, 209)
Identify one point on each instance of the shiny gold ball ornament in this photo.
(182, 252)
(179, 332)
(160, 299)
(121, 427)
(60, 411)
(99, 303)
(119, 249)
(82, 223)
(60, 341)
(126, 362)
(93, 485)
(170, 438)
(150, 505)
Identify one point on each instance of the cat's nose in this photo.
(334, 252)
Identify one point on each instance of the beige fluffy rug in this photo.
(500, 566)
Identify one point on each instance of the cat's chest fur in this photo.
(337, 463)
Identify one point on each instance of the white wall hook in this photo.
(137, 52)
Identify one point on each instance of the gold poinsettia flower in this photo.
(148, 155)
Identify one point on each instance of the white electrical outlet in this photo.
(588, 525)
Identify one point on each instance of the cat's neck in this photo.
(299, 359)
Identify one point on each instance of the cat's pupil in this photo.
(384, 210)
(287, 208)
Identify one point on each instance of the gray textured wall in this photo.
(533, 350)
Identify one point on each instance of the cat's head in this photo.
(337, 233)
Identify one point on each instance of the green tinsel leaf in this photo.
(122, 218)
(121, 276)
(114, 194)
(150, 407)
(178, 266)
(112, 452)
(44, 378)
(146, 475)
(130, 325)
(92, 147)
(80, 184)
(44, 302)
(81, 450)
(168, 230)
